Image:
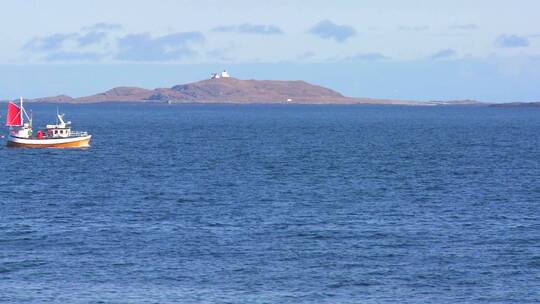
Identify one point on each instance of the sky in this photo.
(415, 49)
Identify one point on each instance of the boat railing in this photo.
(78, 133)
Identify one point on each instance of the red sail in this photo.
(13, 117)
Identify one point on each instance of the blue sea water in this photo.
(276, 204)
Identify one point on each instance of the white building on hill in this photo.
(223, 74)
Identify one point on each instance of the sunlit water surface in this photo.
(276, 204)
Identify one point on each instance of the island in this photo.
(222, 88)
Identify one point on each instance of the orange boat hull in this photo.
(83, 143)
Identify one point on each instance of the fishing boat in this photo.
(58, 135)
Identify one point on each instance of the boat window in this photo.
(55, 131)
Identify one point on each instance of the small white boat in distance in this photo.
(58, 135)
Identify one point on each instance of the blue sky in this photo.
(417, 49)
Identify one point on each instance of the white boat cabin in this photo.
(60, 130)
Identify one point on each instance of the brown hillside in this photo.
(231, 89)
(118, 94)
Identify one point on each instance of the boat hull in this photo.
(70, 142)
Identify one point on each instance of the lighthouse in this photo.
(223, 74)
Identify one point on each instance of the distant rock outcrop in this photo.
(462, 102)
(118, 94)
(58, 99)
(518, 104)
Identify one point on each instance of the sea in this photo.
(275, 204)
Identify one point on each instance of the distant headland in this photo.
(222, 88)
(219, 89)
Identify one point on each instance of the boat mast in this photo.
(24, 111)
